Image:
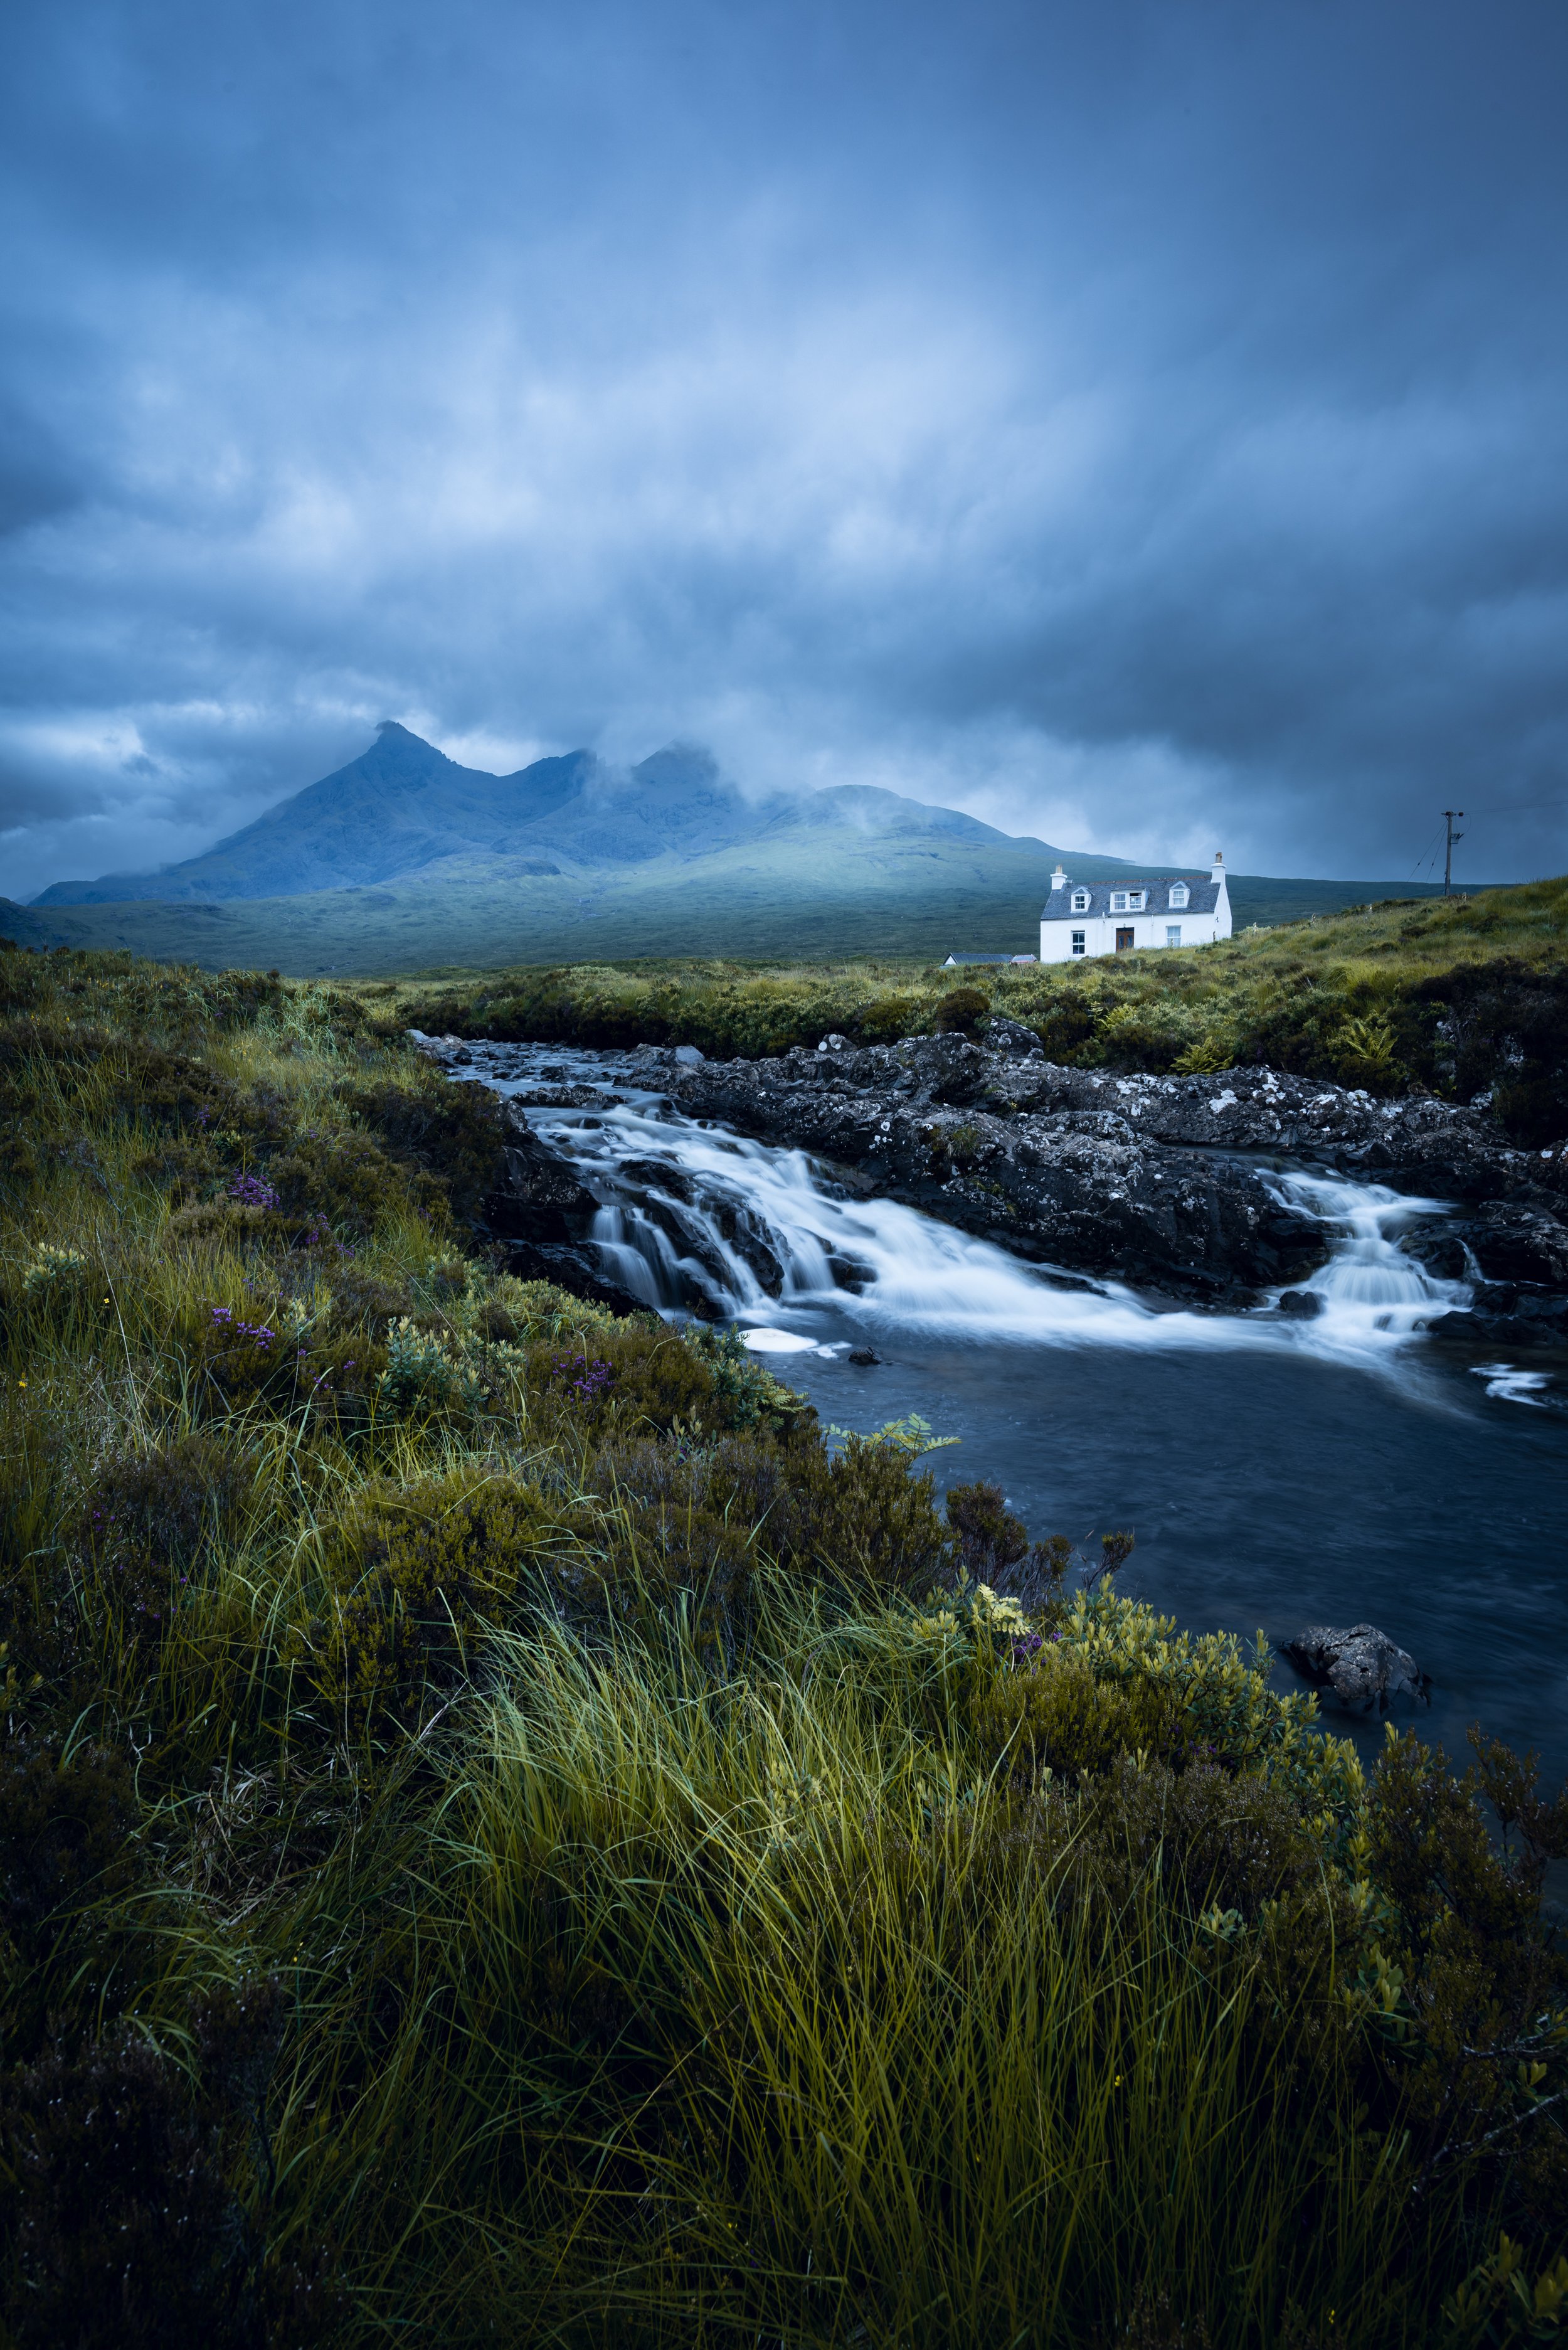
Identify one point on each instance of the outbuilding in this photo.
(1101, 918)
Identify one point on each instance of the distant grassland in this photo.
(1465, 995)
(843, 896)
(508, 1834)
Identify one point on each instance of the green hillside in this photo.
(828, 893)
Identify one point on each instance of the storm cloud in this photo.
(1143, 427)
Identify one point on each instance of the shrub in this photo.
(961, 1011)
(349, 1180)
(147, 1515)
(745, 1394)
(413, 1574)
(128, 2235)
(56, 1276)
(65, 1834)
(453, 1133)
(865, 1521)
(1053, 1712)
(890, 1018)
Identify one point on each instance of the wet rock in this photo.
(1363, 1668)
(1138, 1177)
(864, 1356)
(936, 1122)
(571, 1268)
(1005, 1036)
(451, 1050)
(1506, 1313)
(661, 1174)
(688, 1057)
(1300, 1305)
(539, 1198)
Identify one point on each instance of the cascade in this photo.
(689, 1213)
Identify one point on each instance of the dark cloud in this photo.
(1143, 427)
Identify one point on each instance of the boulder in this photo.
(1300, 1305)
(1365, 1669)
(1005, 1036)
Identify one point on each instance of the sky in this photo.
(1144, 426)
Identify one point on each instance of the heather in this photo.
(511, 1829)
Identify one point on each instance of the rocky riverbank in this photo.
(1158, 1181)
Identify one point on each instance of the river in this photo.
(1275, 1472)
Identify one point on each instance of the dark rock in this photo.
(575, 1270)
(864, 1355)
(539, 1198)
(1005, 1036)
(953, 1129)
(1362, 1667)
(663, 1174)
(1507, 1313)
(1300, 1305)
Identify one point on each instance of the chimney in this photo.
(1058, 879)
(1218, 866)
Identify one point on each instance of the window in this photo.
(1080, 943)
(1173, 934)
(1127, 901)
(1178, 895)
(1119, 901)
(1080, 901)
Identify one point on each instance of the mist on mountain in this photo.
(404, 809)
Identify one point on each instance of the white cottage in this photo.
(1099, 918)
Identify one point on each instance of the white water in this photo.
(711, 1227)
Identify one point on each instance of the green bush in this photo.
(961, 1011)
(413, 1574)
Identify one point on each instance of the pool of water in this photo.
(1275, 1472)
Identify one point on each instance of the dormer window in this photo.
(1128, 901)
(1178, 895)
(1080, 901)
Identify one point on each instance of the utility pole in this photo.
(1448, 816)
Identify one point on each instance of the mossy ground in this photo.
(509, 1833)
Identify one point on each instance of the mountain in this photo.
(403, 808)
(403, 860)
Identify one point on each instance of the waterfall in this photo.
(694, 1215)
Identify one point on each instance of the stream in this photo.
(1330, 1468)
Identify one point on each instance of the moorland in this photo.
(510, 1828)
(1465, 995)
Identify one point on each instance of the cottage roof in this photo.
(979, 958)
(1202, 897)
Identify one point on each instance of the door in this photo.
(1124, 942)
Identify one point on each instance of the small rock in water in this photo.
(864, 1355)
(1363, 1666)
(1300, 1305)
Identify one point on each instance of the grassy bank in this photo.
(509, 1831)
(1462, 996)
